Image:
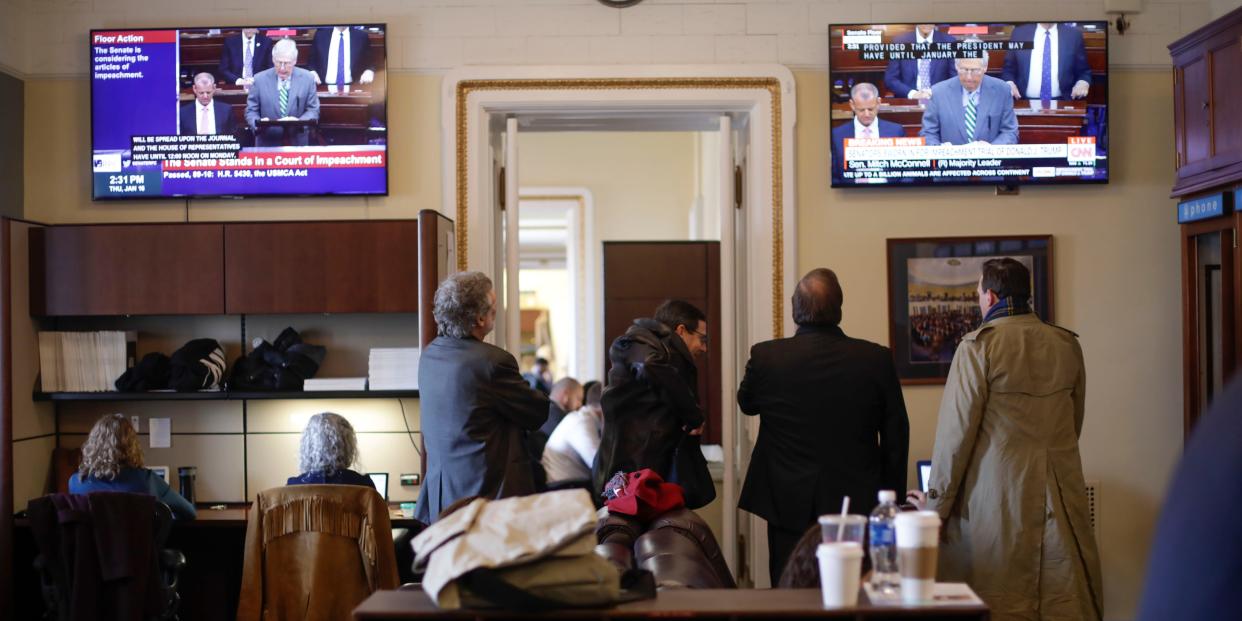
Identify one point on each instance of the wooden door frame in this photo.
(1231, 304)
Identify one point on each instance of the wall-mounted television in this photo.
(239, 111)
(988, 103)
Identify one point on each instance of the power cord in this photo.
(408, 432)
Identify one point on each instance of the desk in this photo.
(1035, 125)
(714, 604)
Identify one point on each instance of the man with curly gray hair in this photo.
(329, 447)
(476, 408)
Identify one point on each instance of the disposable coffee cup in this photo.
(835, 527)
(918, 545)
(840, 565)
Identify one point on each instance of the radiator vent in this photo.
(1093, 504)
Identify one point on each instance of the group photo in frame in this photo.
(933, 298)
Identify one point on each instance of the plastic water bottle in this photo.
(884, 576)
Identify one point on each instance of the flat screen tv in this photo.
(239, 111)
(989, 103)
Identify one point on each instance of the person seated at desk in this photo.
(1054, 67)
(914, 79)
(572, 445)
(329, 447)
(283, 92)
(205, 115)
(242, 56)
(341, 55)
(112, 462)
(865, 102)
(973, 108)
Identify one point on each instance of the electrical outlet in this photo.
(135, 420)
(411, 479)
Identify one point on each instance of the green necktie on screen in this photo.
(284, 98)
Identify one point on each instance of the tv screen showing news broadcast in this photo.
(1001, 104)
(239, 111)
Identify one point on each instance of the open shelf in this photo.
(224, 395)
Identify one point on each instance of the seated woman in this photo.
(112, 462)
(329, 447)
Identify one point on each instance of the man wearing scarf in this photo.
(1006, 473)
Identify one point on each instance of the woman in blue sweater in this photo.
(112, 462)
(329, 447)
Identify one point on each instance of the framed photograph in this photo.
(933, 298)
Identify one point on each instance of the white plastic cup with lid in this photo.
(840, 565)
(918, 546)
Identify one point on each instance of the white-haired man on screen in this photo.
(973, 108)
(283, 92)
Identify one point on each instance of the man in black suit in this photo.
(914, 79)
(1054, 67)
(330, 67)
(240, 49)
(650, 403)
(476, 408)
(832, 421)
(206, 115)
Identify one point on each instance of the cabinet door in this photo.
(138, 269)
(1193, 114)
(321, 267)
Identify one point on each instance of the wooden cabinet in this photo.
(138, 269)
(1207, 105)
(329, 267)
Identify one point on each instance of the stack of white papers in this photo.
(335, 383)
(82, 361)
(394, 368)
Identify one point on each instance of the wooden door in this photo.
(132, 269)
(638, 276)
(321, 267)
(1211, 311)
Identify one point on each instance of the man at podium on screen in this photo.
(865, 102)
(205, 115)
(284, 93)
(973, 108)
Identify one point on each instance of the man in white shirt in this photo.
(571, 448)
(341, 55)
(865, 104)
(243, 56)
(1053, 67)
(915, 78)
(205, 115)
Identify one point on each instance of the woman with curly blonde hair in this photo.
(329, 447)
(112, 462)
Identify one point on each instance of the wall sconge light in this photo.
(1121, 8)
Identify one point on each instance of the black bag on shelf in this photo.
(284, 365)
(151, 373)
(198, 365)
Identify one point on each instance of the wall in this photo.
(12, 130)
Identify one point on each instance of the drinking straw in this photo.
(845, 509)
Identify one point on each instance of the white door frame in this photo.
(472, 96)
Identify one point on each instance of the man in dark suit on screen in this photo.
(341, 55)
(283, 92)
(865, 102)
(914, 79)
(1055, 66)
(476, 408)
(832, 421)
(242, 56)
(205, 115)
(973, 108)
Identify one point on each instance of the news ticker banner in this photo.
(876, 160)
(134, 85)
(869, 44)
(170, 166)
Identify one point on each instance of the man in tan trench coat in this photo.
(1006, 473)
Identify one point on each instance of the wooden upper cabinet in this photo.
(139, 269)
(321, 267)
(1207, 116)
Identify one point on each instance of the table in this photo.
(714, 604)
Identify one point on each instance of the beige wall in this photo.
(642, 182)
(1115, 264)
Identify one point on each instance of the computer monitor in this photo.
(380, 479)
(924, 467)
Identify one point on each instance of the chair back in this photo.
(314, 552)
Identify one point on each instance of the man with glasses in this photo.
(832, 421)
(283, 92)
(651, 404)
(974, 108)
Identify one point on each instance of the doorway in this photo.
(751, 109)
